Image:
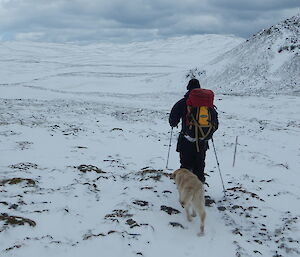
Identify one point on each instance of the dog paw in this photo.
(189, 218)
(200, 234)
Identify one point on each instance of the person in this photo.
(190, 157)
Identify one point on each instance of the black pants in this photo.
(190, 158)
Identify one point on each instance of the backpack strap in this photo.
(199, 128)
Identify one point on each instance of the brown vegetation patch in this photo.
(242, 190)
(141, 203)
(14, 181)
(153, 174)
(169, 210)
(89, 168)
(16, 220)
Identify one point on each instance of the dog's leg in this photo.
(180, 199)
(187, 211)
(194, 214)
(185, 201)
(199, 206)
(202, 219)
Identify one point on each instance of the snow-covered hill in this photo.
(84, 138)
(106, 68)
(268, 62)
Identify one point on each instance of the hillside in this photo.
(84, 138)
(152, 66)
(268, 62)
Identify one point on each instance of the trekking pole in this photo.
(169, 148)
(219, 167)
(236, 142)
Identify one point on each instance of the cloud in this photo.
(255, 5)
(132, 20)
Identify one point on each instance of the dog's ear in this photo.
(173, 175)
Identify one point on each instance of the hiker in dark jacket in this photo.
(190, 158)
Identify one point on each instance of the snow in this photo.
(103, 109)
(267, 63)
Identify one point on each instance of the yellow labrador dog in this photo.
(191, 192)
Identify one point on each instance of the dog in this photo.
(191, 193)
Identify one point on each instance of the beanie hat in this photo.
(193, 83)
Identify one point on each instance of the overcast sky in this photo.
(137, 20)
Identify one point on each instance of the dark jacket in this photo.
(178, 112)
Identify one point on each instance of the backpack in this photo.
(201, 117)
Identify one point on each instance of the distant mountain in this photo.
(268, 62)
(152, 66)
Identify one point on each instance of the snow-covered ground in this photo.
(84, 139)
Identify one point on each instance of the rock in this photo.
(141, 203)
(116, 129)
(221, 208)
(88, 236)
(237, 232)
(132, 223)
(13, 247)
(176, 224)
(119, 214)
(89, 168)
(208, 201)
(169, 210)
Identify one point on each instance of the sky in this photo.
(137, 20)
